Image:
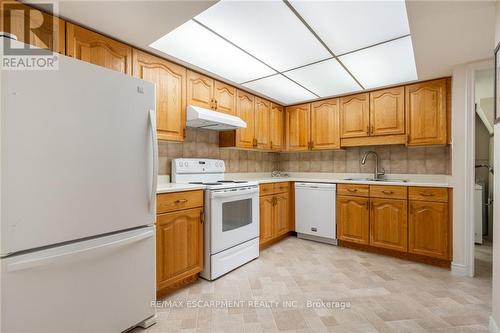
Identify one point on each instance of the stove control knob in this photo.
(186, 164)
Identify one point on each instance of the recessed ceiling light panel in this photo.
(326, 78)
(269, 30)
(281, 89)
(196, 45)
(385, 64)
(346, 26)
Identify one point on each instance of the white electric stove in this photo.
(231, 233)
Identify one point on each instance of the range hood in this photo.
(204, 118)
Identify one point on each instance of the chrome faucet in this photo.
(376, 173)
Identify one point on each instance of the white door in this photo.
(234, 217)
(105, 284)
(77, 154)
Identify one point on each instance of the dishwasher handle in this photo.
(313, 186)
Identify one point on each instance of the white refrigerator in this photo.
(78, 185)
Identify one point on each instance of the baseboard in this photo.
(493, 326)
(459, 269)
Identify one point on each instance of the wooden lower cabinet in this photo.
(353, 219)
(429, 229)
(388, 224)
(274, 215)
(179, 248)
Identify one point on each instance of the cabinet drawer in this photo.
(281, 187)
(265, 189)
(169, 202)
(428, 194)
(392, 192)
(353, 189)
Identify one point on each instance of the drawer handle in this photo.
(181, 201)
(426, 194)
(352, 190)
(387, 192)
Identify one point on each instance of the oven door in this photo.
(234, 217)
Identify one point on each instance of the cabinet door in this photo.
(33, 27)
(325, 126)
(225, 98)
(387, 111)
(281, 209)
(276, 121)
(179, 246)
(245, 110)
(354, 116)
(266, 218)
(298, 127)
(429, 229)
(170, 80)
(426, 122)
(96, 49)
(353, 219)
(388, 224)
(262, 119)
(200, 90)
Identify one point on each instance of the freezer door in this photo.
(105, 284)
(78, 154)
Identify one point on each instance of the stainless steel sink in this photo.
(377, 180)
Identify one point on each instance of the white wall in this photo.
(495, 322)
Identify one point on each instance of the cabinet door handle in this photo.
(202, 217)
(372, 129)
(368, 129)
(215, 105)
(180, 201)
(312, 144)
(352, 190)
(387, 192)
(426, 194)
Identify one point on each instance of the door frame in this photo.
(463, 235)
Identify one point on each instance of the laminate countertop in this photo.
(410, 180)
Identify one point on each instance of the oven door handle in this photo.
(234, 193)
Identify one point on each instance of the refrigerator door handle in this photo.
(44, 260)
(154, 143)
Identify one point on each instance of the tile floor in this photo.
(382, 294)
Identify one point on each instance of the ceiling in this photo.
(443, 34)
(300, 50)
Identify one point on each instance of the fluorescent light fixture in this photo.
(346, 26)
(384, 64)
(281, 89)
(198, 46)
(269, 30)
(326, 78)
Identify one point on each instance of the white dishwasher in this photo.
(315, 211)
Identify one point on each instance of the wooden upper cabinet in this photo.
(97, 49)
(32, 26)
(276, 121)
(245, 103)
(179, 246)
(429, 230)
(388, 224)
(325, 126)
(387, 111)
(353, 219)
(426, 113)
(170, 80)
(298, 127)
(262, 123)
(200, 90)
(225, 98)
(355, 116)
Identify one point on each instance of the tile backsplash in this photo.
(394, 159)
(205, 144)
